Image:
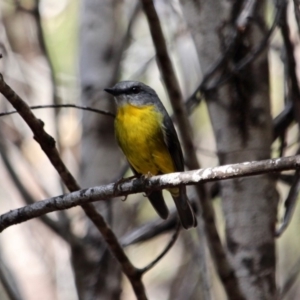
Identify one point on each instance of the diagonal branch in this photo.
(297, 13)
(150, 230)
(222, 263)
(246, 14)
(207, 82)
(164, 252)
(47, 143)
(290, 203)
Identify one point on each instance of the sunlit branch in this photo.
(138, 185)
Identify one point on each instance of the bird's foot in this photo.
(145, 177)
(122, 180)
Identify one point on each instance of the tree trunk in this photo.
(241, 120)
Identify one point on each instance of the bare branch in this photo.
(60, 228)
(293, 91)
(222, 263)
(253, 54)
(205, 86)
(139, 185)
(290, 204)
(164, 252)
(283, 120)
(245, 15)
(297, 12)
(47, 143)
(171, 82)
(87, 108)
(149, 230)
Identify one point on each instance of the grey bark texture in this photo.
(98, 276)
(241, 120)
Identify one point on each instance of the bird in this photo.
(147, 136)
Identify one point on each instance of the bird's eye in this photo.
(135, 90)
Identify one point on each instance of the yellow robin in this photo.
(147, 137)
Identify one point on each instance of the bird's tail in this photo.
(157, 200)
(184, 208)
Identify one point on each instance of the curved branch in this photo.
(164, 252)
(290, 204)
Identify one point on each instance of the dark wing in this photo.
(157, 200)
(172, 142)
(184, 208)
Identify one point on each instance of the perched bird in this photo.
(147, 137)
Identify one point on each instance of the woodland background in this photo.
(237, 64)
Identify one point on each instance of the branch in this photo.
(204, 86)
(87, 108)
(290, 203)
(150, 230)
(253, 54)
(297, 13)
(47, 143)
(245, 15)
(58, 227)
(165, 251)
(293, 90)
(283, 120)
(138, 185)
(222, 263)
(171, 83)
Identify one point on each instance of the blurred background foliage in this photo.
(43, 68)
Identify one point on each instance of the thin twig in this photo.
(164, 252)
(283, 120)
(139, 185)
(204, 86)
(149, 230)
(47, 143)
(252, 55)
(87, 108)
(290, 204)
(293, 91)
(60, 229)
(245, 15)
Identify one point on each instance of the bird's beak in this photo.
(113, 91)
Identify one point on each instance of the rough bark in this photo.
(97, 275)
(240, 115)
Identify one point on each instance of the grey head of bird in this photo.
(133, 92)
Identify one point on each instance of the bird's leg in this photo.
(121, 180)
(145, 177)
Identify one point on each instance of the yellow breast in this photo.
(140, 136)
